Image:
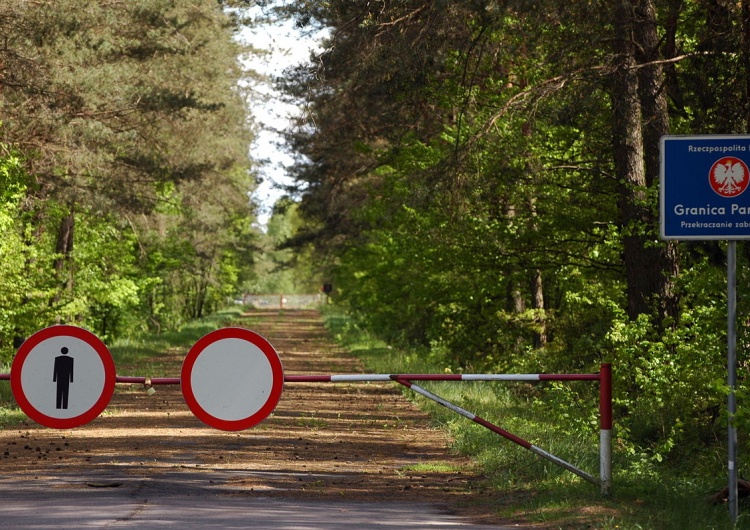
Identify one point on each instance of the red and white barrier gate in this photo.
(605, 406)
(215, 372)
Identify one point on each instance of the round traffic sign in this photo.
(232, 379)
(63, 377)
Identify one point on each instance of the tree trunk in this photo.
(63, 249)
(640, 118)
(537, 302)
(655, 113)
(745, 51)
(537, 281)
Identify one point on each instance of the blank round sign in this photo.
(232, 379)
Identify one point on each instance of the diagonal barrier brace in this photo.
(502, 432)
(604, 377)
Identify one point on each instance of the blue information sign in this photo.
(704, 181)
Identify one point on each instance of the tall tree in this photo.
(118, 110)
(640, 118)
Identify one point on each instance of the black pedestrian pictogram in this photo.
(63, 376)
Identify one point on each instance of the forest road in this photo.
(330, 456)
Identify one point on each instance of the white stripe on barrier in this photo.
(355, 377)
(605, 460)
(446, 377)
(500, 377)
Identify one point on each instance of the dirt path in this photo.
(342, 442)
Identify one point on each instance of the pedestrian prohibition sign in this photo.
(232, 379)
(63, 377)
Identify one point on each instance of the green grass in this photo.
(646, 495)
(143, 352)
(139, 349)
(10, 414)
(432, 467)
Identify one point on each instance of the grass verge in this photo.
(142, 354)
(645, 496)
(9, 412)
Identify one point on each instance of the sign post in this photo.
(63, 377)
(703, 196)
(732, 377)
(232, 379)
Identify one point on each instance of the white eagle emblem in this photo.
(729, 176)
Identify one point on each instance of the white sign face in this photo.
(63, 377)
(59, 389)
(232, 379)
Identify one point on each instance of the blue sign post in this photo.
(704, 195)
(704, 187)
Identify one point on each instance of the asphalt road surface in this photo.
(111, 499)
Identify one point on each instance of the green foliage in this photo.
(22, 277)
(14, 181)
(282, 267)
(107, 280)
(123, 166)
(129, 353)
(490, 203)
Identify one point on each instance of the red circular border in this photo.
(110, 376)
(276, 387)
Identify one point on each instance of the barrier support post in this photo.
(605, 433)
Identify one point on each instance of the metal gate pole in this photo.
(605, 433)
(732, 375)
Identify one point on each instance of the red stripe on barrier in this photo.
(405, 382)
(307, 378)
(134, 380)
(165, 380)
(148, 380)
(481, 421)
(476, 419)
(605, 396)
(502, 432)
(5, 377)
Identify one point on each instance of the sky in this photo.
(287, 47)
